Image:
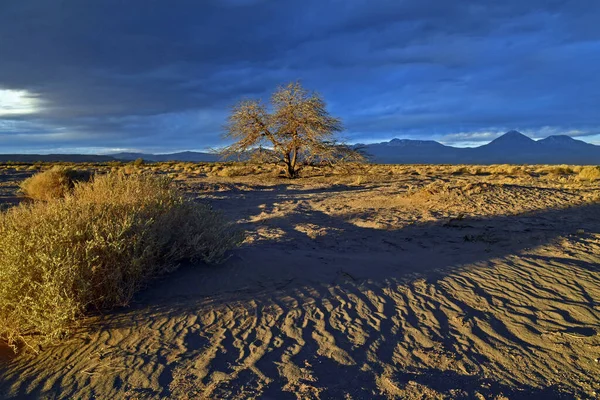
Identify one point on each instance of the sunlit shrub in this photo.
(92, 250)
(231, 171)
(53, 183)
(555, 170)
(589, 173)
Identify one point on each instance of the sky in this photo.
(104, 76)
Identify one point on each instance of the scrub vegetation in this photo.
(95, 247)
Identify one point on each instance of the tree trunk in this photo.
(291, 172)
(290, 169)
(293, 162)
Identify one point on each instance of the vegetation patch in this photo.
(93, 249)
(589, 173)
(295, 131)
(53, 183)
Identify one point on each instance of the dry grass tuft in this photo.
(94, 249)
(555, 170)
(54, 183)
(589, 173)
(233, 171)
(460, 171)
(507, 170)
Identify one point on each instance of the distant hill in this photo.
(411, 151)
(189, 156)
(75, 158)
(511, 148)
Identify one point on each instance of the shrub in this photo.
(460, 171)
(589, 173)
(506, 169)
(95, 248)
(478, 171)
(555, 170)
(53, 183)
(130, 169)
(233, 171)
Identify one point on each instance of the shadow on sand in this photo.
(291, 267)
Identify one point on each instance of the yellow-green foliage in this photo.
(555, 170)
(95, 248)
(506, 169)
(53, 183)
(232, 171)
(589, 173)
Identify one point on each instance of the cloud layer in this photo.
(160, 76)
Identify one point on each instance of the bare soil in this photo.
(427, 283)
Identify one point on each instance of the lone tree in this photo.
(298, 129)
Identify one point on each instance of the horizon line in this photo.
(110, 152)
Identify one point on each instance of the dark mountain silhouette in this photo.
(31, 158)
(511, 148)
(411, 151)
(566, 142)
(510, 140)
(191, 156)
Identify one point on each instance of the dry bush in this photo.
(343, 169)
(130, 169)
(307, 171)
(475, 170)
(359, 180)
(589, 173)
(54, 183)
(506, 169)
(460, 171)
(554, 170)
(277, 173)
(233, 171)
(94, 249)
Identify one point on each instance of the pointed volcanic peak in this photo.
(512, 147)
(512, 139)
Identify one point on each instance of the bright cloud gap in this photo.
(17, 102)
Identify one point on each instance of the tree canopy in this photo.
(297, 127)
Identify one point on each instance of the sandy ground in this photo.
(424, 286)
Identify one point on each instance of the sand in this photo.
(422, 286)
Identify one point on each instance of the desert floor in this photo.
(421, 282)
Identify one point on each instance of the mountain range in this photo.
(191, 156)
(511, 148)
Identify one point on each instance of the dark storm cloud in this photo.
(160, 75)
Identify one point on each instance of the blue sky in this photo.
(160, 76)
